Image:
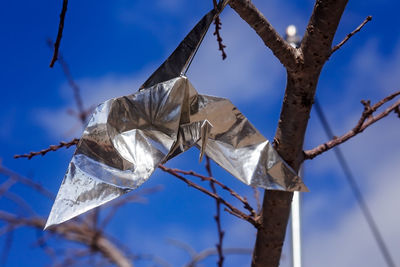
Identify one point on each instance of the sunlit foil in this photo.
(126, 139)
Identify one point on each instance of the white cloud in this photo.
(349, 242)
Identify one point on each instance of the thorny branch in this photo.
(50, 148)
(348, 36)
(59, 33)
(367, 119)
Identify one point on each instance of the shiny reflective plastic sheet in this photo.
(127, 138)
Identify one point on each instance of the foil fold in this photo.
(126, 138)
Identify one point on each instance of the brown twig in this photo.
(114, 206)
(366, 120)
(82, 113)
(246, 204)
(397, 111)
(209, 252)
(230, 208)
(252, 15)
(253, 218)
(7, 247)
(73, 231)
(217, 217)
(50, 148)
(348, 36)
(221, 46)
(26, 181)
(59, 33)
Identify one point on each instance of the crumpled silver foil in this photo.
(127, 138)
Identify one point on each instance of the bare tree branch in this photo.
(217, 217)
(231, 209)
(366, 120)
(348, 36)
(26, 181)
(321, 29)
(302, 80)
(210, 252)
(59, 33)
(217, 33)
(73, 231)
(50, 148)
(82, 113)
(246, 204)
(286, 54)
(115, 205)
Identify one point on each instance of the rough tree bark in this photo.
(303, 67)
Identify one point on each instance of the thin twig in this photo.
(82, 113)
(217, 217)
(7, 247)
(230, 208)
(221, 46)
(26, 181)
(209, 252)
(348, 36)
(50, 148)
(73, 231)
(366, 120)
(397, 111)
(138, 197)
(246, 204)
(59, 33)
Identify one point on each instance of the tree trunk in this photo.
(303, 67)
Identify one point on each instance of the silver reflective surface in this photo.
(128, 137)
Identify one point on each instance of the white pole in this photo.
(296, 230)
(294, 40)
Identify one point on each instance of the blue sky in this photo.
(112, 47)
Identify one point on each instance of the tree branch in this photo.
(246, 204)
(280, 48)
(209, 252)
(231, 209)
(300, 90)
(321, 29)
(50, 148)
(74, 232)
(59, 33)
(348, 36)
(366, 120)
(217, 217)
(26, 181)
